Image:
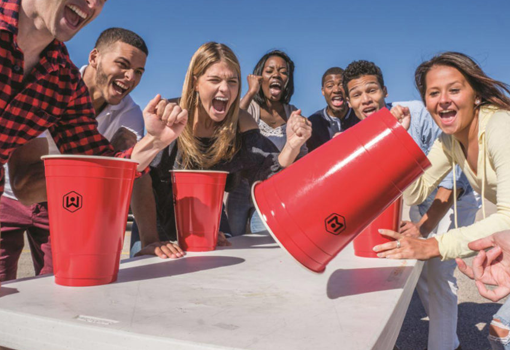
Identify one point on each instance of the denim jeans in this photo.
(503, 315)
(239, 208)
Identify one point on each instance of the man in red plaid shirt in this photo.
(40, 88)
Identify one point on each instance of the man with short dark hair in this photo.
(364, 86)
(42, 89)
(336, 116)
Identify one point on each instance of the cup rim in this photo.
(82, 156)
(199, 171)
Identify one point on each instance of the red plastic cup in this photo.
(370, 236)
(198, 199)
(88, 203)
(316, 206)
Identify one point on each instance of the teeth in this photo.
(223, 99)
(79, 12)
(276, 84)
(447, 111)
(122, 86)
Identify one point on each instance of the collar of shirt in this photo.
(335, 120)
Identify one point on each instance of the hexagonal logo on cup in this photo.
(335, 224)
(73, 201)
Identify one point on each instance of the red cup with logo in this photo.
(88, 203)
(370, 237)
(316, 206)
(198, 200)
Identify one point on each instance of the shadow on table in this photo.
(4, 291)
(343, 283)
(175, 267)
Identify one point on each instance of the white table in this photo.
(249, 296)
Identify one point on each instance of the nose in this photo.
(223, 87)
(365, 98)
(444, 99)
(130, 74)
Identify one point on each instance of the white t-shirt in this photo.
(126, 114)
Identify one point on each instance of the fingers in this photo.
(390, 233)
(464, 268)
(479, 264)
(151, 106)
(493, 254)
(171, 113)
(482, 243)
(170, 250)
(222, 240)
(493, 295)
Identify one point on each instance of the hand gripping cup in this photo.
(370, 236)
(316, 206)
(198, 199)
(88, 203)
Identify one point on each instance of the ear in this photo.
(478, 100)
(385, 92)
(93, 58)
(322, 90)
(348, 102)
(195, 83)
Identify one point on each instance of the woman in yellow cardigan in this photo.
(473, 112)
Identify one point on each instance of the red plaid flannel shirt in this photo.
(52, 97)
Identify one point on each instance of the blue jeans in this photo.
(503, 315)
(256, 224)
(239, 208)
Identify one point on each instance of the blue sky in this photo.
(396, 35)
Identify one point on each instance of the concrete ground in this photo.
(475, 312)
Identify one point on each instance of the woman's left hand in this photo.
(299, 129)
(407, 247)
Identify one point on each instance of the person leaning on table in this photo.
(43, 90)
(219, 135)
(473, 111)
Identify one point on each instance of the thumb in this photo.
(296, 112)
(151, 106)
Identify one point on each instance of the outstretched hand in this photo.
(164, 250)
(491, 267)
(408, 248)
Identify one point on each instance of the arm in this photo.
(143, 205)
(455, 242)
(26, 171)
(299, 131)
(253, 89)
(438, 209)
(440, 158)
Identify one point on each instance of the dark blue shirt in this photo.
(324, 127)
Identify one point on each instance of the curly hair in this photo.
(358, 69)
(288, 90)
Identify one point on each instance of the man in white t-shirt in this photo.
(115, 68)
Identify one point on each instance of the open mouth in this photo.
(275, 88)
(337, 101)
(74, 15)
(447, 116)
(220, 104)
(369, 111)
(119, 87)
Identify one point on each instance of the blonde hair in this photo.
(225, 142)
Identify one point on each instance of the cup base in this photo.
(84, 282)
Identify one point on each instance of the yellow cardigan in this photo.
(492, 180)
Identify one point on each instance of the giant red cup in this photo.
(316, 206)
(198, 200)
(370, 236)
(88, 203)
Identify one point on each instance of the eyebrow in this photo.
(129, 63)
(217, 76)
(359, 87)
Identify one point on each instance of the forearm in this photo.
(440, 206)
(143, 206)
(28, 183)
(145, 151)
(288, 155)
(246, 100)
